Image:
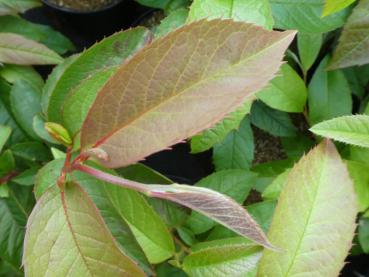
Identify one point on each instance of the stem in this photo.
(8, 177)
(112, 179)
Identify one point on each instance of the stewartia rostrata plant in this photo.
(173, 88)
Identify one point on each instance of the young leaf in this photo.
(309, 47)
(5, 132)
(135, 115)
(173, 21)
(349, 129)
(110, 52)
(16, 49)
(329, 94)
(314, 222)
(230, 259)
(17, 6)
(252, 11)
(359, 173)
(286, 92)
(70, 221)
(235, 183)
(237, 150)
(41, 33)
(305, 16)
(353, 44)
(333, 6)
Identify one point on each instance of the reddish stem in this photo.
(112, 179)
(8, 177)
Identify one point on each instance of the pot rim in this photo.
(74, 11)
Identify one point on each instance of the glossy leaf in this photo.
(208, 138)
(41, 33)
(32, 151)
(237, 149)
(5, 132)
(349, 129)
(173, 21)
(309, 47)
(359, 173)
(17, 6)
(234, 183)
(69, 221)
(231, 259)
(12, 73)
(110, 52)
(353, 44)
(180, 101)
(333, 6)
(305, 16)
(16, 49)
(318, 204)
(286, 92)
(329, 94)
(251, 11)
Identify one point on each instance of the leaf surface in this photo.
(16, 49)
(349, 129)
(17, 6)
(252, 11)
(314, 222)
(333, 6)
(309, 47)
(353, 44)
(5, 132)
(146, 106)
(67, 236)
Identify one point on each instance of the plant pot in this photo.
(82, 11)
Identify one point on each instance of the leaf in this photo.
(16, 49)
(364, 234)
(251, 11)
(286, 92)
(349, 129)
(305, 16)
(25, 104)
(161, 4)
(12, 73)
(173, 21)
(237, 150)
(358, 78)
(353, 44)
(329, 94)
(133, 215)
(274, 122)
(208, 138)
(32, 151)
(216, 206)
(14, 211)
(38, 125)
(5, 132)
(17, 6)
(69, 221)
(273, 191)
(333, 6)
(195, 102)
(235, 183)
(41, 33)
(359, 173)
(309, 47)
(315, 218)
(27, 177)
(110, 52)
(230, 259)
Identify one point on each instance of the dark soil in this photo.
(83, 5)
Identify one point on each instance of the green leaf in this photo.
(41, 33)
(59, 133)
(237, 150)
(295, 147)
(359, 173)
(14, 211)
(305, 16)
(12, 73)
(227, 260)
(329, 94)
(25, 104)
(110, 52)
(364, 234)
(333, 6)
(353, 44)
(286, 92)
(70, 222)
(235, 183)
(31, 151)
(5, 132)
(38, 125)
(309, 47)
(208, 138)
(7, 162)
(173, 21)
(358, 78)
(252, 11)
(161, 4)
(315, 218)
(349, 129)
(195, 102)
(17, 6)
(273, 191)
(16, 49)
(27, 177)
(275, 122)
